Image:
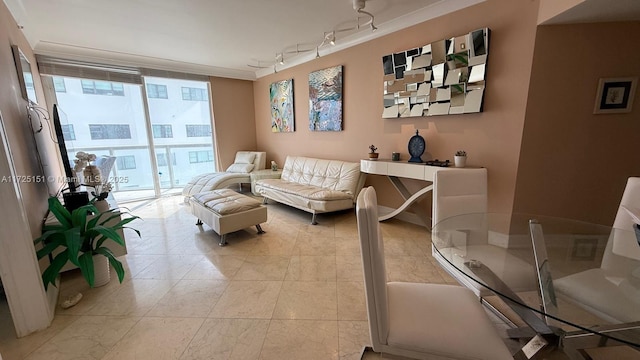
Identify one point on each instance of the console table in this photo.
(395, 170)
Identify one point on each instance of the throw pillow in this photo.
(244, 158)
(240, 168)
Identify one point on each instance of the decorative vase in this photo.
(101, 271)
(460, 161)
(101, 205)
(373, 156)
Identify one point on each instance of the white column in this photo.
(19, 267)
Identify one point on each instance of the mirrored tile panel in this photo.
(441, 78)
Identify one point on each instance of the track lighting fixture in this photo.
(329, 38)
(358, 6)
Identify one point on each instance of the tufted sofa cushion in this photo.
(314, 185)
(326, 174)
(226, 201)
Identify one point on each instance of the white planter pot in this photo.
(101, 271)
(460, 161)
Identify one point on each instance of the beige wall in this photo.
(492, 139)
(22, 139)
(574, 163)
(234, 117)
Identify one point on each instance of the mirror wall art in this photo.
(441, 78)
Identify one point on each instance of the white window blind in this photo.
(87, 70)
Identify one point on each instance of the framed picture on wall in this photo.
(281, 98)
(615, 95)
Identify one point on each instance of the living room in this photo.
(544, 149)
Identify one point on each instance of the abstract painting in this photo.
(281, 96)
(325, 99)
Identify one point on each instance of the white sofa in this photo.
(238, 173)
(314, 185)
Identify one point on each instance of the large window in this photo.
(68, 133)
(162, 131)
(155, 91)
(128, 127)
(102, 88)
(200, 156)
(198, 130)
(127, 162)
(194, 94)
(104, 132)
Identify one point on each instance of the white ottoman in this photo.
(226, 211)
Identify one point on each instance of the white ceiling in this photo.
(213, 37)
(222, 37)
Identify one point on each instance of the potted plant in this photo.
(100, 194)
(373, 155)
(460, 158)
(79, 238)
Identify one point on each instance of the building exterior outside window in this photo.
(200, 156)
(102, 88)
(198, 130)
(105, 132)
(116, 125)
(194, 94)
(156, 91)
(162, 131)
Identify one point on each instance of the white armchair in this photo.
(422, 321)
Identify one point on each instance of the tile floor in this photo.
(295, 292)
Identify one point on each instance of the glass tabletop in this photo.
(570, 275)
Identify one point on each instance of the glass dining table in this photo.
(574, 285)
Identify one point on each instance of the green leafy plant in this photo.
(373, 149)
(461, 153)
(78, 237)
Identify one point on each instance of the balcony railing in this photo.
(175, 167)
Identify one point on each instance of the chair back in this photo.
(630, 197)
(543, 269)
(375, 275)
(459, 191)
(621, 246)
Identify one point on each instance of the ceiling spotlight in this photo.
(358, 6)
(280, 58)
(332, 39)
(317, 52)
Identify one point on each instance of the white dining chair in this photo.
(611, 291)
(418, 320)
